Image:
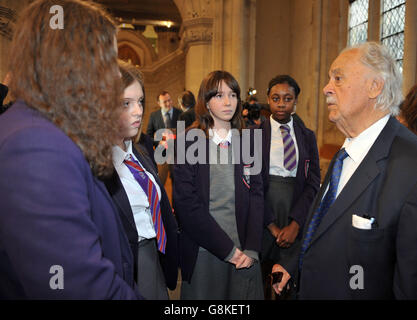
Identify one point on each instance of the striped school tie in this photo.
(325, 204)
(290, 157)
(152, 194)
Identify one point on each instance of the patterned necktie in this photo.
(290, 156)
(325, 203)
(167, 120)
(152, 194)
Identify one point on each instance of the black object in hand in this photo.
(276, 277)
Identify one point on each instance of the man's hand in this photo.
(241, 260)
(278, 287)
(288, 234)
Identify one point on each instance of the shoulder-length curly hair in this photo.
(409, 109)
(70, 75)
(208, 89)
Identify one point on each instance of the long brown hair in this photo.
(409, 109)
(208, 89)
(70, 75)
(131, 74)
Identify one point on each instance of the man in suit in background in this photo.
(360, 239)
(166, 117)
(187, 102)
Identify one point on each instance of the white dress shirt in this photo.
(217, 139)
(357, 148)
(137, 197)
(276, 157)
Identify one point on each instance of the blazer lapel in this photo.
(119, 196)
(318, 198)
(203, 177)
(160, 119)
(267, 142)
(367, 171)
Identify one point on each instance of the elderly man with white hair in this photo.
(360, 238)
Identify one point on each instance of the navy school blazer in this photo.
(55, 214)
(169, 260)
(198, 228)
(308, 171)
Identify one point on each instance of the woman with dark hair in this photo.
(290, 171)
(408, 113)
(61, 237)
(219, 204)
(141, 198)
(187, 103)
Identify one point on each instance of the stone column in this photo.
(218, 35)
(197, 35)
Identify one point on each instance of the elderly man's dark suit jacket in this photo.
(169, 260)
(384, 186)
(307, 181)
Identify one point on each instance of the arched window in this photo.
(392, 28)
(358, 21)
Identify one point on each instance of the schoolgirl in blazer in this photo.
(145, 211)
(202, 235)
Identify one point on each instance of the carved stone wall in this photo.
(218, 35)
(166, 74)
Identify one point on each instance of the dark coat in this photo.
(54, 212)
(188, 117)
(384, 186)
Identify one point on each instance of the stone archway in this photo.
(133, 45)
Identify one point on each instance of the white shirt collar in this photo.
(275, 124)
(216, 138)
(119, 155)
(358, 147)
